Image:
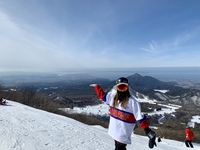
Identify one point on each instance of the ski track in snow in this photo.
(26, 128)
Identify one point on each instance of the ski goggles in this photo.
(122, 87)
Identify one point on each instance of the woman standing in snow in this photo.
(189, 136)
(125, 111)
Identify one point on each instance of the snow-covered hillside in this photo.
(26, 128)
(103, 109)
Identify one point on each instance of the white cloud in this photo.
(21, 50)
(86, 35)
(152, 47)
(186, 36)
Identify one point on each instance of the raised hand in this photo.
(93, 85)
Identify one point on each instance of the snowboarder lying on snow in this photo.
(125, 111)
(2, 101)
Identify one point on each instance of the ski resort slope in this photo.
(27, 128)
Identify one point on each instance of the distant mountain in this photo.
(78, 84)
(137, 80)
(151, 87)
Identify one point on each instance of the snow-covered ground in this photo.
(27, 128)
(195, 119)
(169, 108)
(103, 109)
(162, 91)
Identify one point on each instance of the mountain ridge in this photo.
(78, 84)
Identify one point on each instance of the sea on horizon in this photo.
(162, 73)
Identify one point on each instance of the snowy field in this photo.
(195, 119)
(103, 109)
(27, 128)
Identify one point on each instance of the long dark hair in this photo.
(123, 101)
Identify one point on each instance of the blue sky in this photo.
(53, 35)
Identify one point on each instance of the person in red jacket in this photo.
(189, 137)
(125, 112)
